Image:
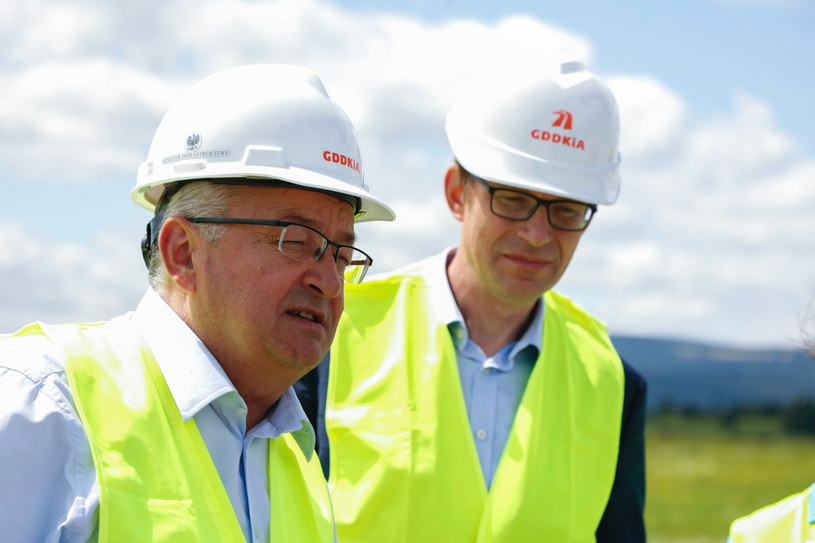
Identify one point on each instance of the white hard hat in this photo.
(262, 121)
(552, 131)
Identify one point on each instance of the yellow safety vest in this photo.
(157, 481)
(404, 467)
(791, 520)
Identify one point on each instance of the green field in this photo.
(701, 476)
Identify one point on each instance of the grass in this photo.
(701, 475)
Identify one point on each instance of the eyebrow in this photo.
(346, 238)
(554, 197)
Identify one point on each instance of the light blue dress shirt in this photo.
(492, 386)
(48, 487)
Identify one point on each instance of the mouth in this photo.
(307, 315)
(529, 261)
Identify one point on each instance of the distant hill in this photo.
(686, 374)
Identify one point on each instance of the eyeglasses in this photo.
(305, 244)
(520, 206)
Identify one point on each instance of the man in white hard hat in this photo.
(177, 422)
(463, 399)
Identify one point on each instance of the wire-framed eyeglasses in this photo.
(520, 206)
(305, 244)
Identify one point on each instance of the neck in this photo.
(492, 330)
(259, 399)
(259, 385)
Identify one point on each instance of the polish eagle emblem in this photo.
(193, 142)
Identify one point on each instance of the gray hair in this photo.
(196, 199)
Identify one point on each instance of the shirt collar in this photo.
(193, 375)
(444, 305)
(530, 343)
(196, 379)
(441, 295)
(288, 416)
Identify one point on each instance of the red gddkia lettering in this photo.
(337, 158)
(554, 137)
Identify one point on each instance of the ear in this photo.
(177, 241)
(454, 191)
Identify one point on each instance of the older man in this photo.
(176, 422)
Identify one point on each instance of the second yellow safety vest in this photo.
(404, 467)
(791, 520)
(157, 481)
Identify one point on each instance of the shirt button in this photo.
(486, 371)
(481, 434)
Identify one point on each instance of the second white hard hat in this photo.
(554, 131)
(262, 121)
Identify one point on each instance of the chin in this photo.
(309, 358)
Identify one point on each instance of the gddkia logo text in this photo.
(339, 158)
(192, 146)
(563, 121)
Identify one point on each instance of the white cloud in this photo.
(80, 120)
(710, 241)
(66, 282)
(706, 240)
(653, 118)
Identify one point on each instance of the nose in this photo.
(536, 230)
(322, 277)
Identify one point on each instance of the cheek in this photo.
(568, 246)
(269, 286)
(249, 284)
(337, 307)
(489, 235)
(480, 231)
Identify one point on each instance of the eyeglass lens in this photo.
(562, 214)
(306, 245)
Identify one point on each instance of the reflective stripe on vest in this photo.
(157, 481)
(791, 520)
(404, 466)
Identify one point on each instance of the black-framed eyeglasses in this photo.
(520, 206)
(305, 244)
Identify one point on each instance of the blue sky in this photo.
(711, 238)
(705, 49)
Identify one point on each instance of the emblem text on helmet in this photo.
(193, 144)
(564, 121)
(330, 156)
